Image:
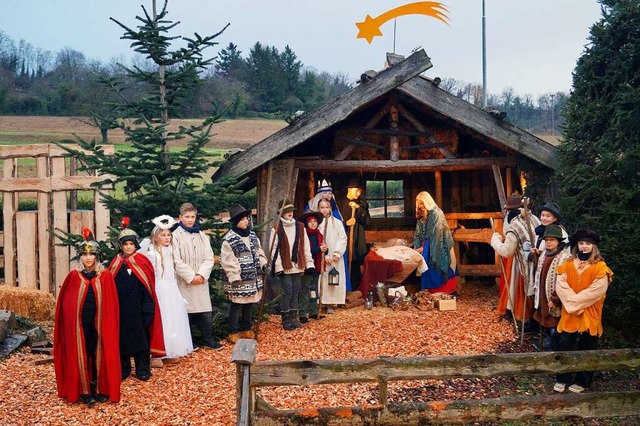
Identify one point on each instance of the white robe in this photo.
(193, 255)
(173, 307)
(335, 238)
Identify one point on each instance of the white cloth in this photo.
(335, 238)
(193, 255)
(403, 254)
(173, 307)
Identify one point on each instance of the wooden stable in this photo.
(31, 258)
(399, 130)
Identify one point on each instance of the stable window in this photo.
(386, 198)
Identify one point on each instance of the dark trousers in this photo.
(585, 342)
(240, 317)
(290, 291)
(205, 321)
(141, 360)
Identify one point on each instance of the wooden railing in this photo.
(252, 375)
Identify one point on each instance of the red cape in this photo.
(69, 355)
(143, 270)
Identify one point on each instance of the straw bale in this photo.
(29, 303)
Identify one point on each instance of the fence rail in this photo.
(252, 375)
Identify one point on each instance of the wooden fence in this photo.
(252, 375)
(31, 258)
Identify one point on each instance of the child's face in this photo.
(312, 223)
(324, 208)
(244, 223)
(128, 248)
(188, 219)
(551, 243)
(547, 218)
(288, 215)
(164, 238)
(585, 246)
(88, 261)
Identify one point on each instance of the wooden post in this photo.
(497, 177)
(102, 217)
(9, 167)
(59, 203)
(383, 387)
(509, 187)
(243, 355)
(44, 224)
(26, 227)
(394, 145)
(73, 195)
(438, 178)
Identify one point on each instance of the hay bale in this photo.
(29, 303)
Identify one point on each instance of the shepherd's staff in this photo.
(353, 216)
(504, 274)
(527, 219)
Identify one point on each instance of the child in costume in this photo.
(581, 286)
(140, 319)
(308, 300)
(194, 262)
(335, 238)
(173, 307)
(243, 263)
(86, 353)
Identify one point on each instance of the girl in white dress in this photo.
(335, 238)
(173, 307)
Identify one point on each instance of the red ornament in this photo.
(125, 222)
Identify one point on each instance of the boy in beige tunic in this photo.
(194, 261)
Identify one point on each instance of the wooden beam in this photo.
(396, 132)
(516, 409)
(438, 179)
(480, 121)
(394, 144)
(44, 150)
(50, 184)
(361, 143)
(427, 146)
(315, 372)
(428, 165)
(9, 201)
(418, 125)
(44, 225)
(342, 155)
(324, 117)
(497, 177)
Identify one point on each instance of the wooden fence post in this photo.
(60, 221)
(44, 224)
(26, 226)
(9, 201)
(243, 355)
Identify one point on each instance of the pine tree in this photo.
(600, 156)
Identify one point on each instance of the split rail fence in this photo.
(251, 375)
(31, 258)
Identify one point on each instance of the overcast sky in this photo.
(532, 45)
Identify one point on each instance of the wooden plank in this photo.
(244, 351)
(480, 121)
(87, 220)
(9, 169)
(428, 165)
(44, 223)
(361, 143)
(75, 222)
(471, 235)
(313, 372)
(102, 217)
(394, 143)
(60, 222)
(73, 195)
(497, 177)
(463, 216)
(471, 411)
(26, 228)
(44, 150)
(480, 270)
(51, 184)
(438, 180)
(324, 117)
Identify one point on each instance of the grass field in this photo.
(20, 130)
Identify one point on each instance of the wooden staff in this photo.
(504, 274)
(353, 216)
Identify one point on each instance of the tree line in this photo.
(266, 82)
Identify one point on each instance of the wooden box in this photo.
(447, 305)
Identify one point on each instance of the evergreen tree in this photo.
(230, 63)
(600, 155)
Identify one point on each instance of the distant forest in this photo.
(265, 82)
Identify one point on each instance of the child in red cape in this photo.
(140, 320)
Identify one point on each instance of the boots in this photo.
(233, 338)
(206, 328)
(286, 321)
(249, 334)
(294, 318)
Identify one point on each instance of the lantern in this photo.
(334, 276)
(368, 304)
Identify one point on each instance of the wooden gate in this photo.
(31, 257)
